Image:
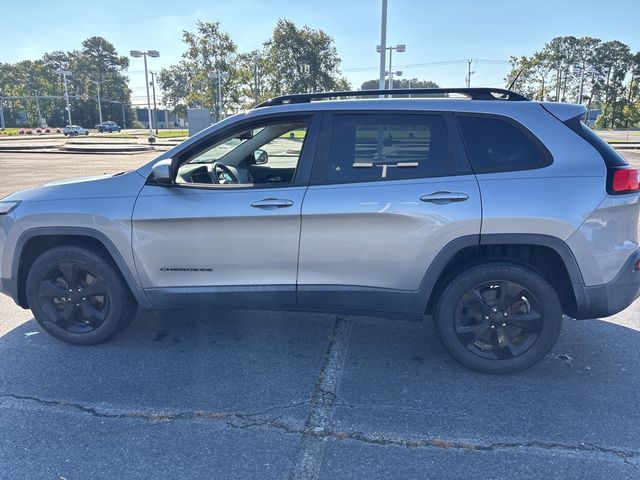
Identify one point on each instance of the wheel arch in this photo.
(549, 256)
(34, 242)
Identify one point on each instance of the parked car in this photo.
(74, 131)
(108, 127)
(494, 215)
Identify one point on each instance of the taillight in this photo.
(624, 180)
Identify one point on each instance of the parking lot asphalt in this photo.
(258, 394)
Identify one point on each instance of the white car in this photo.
(75, 130)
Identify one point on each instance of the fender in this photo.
(443, 258)
(129, 278)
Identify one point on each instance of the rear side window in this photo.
(497, 145)
(373, 147)
(609, 155)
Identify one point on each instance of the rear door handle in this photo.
(441, 198)
(271, 203)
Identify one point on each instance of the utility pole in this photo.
(383, 44)
(155, 110)
(64, 74)
(97, 83)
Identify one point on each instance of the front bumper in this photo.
(9, 287)
(610, 298)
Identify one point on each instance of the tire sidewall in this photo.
(94, 264)
(547, 300)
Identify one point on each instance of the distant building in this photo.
(592, 115)
(165, 118)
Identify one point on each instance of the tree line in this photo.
(610, 82)
(97, 60)
(214, 74)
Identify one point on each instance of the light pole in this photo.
(153, 54)
(220, 76)
(397, 73)
(97, 84)
(399, 48)
(155, 110)
(35, 92)
(383, 45)
(64, 74)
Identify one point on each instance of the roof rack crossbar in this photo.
(472, 93)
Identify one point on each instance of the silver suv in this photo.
(491, 213)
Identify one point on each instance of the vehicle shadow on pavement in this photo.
(393, 382)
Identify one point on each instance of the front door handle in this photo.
(441, 198)
(271, 203)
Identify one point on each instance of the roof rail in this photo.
(472, 93)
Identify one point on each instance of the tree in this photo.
(195, 80)
(302, 60)
(399, 83)
(97, 59)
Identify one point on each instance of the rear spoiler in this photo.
(564, 111)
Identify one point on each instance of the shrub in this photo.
(47, 130)
(29, 132)
(21, 131)
(38, 130)
(58, 130)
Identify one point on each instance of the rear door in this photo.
(388, 192)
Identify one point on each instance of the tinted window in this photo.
(388, 147)
(496, 145)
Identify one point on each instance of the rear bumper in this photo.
(609, 298)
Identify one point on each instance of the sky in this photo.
(440, 35)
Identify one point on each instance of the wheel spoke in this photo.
(469, 333)
(68, 270)
(66, 316)
(92, 314)
(96, 287)
(526, 321)
(478, 300)
(51, 289)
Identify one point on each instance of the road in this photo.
(255, 394)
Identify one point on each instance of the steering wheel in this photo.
(218, 167)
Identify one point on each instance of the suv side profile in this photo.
(494, 214)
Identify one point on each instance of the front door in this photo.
(227, 231)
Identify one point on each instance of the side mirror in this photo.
(260, 157)
(162, 172)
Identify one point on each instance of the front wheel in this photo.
(77, 296)
(499, 318)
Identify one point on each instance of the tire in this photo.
(77, 296)
(498, 318)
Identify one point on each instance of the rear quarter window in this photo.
(499, 145)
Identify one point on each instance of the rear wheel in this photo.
(499, 318)
(77, 296)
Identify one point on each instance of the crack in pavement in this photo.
(308, 458)
(257, 419)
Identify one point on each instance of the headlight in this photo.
(8, 207)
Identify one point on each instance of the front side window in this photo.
(497, 145)
(263, 154)
(376, 147)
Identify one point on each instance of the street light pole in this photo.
(35, 92)
(155, 111)
(99, 103)
(154, 54)
(64, 74)
(383, 44)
